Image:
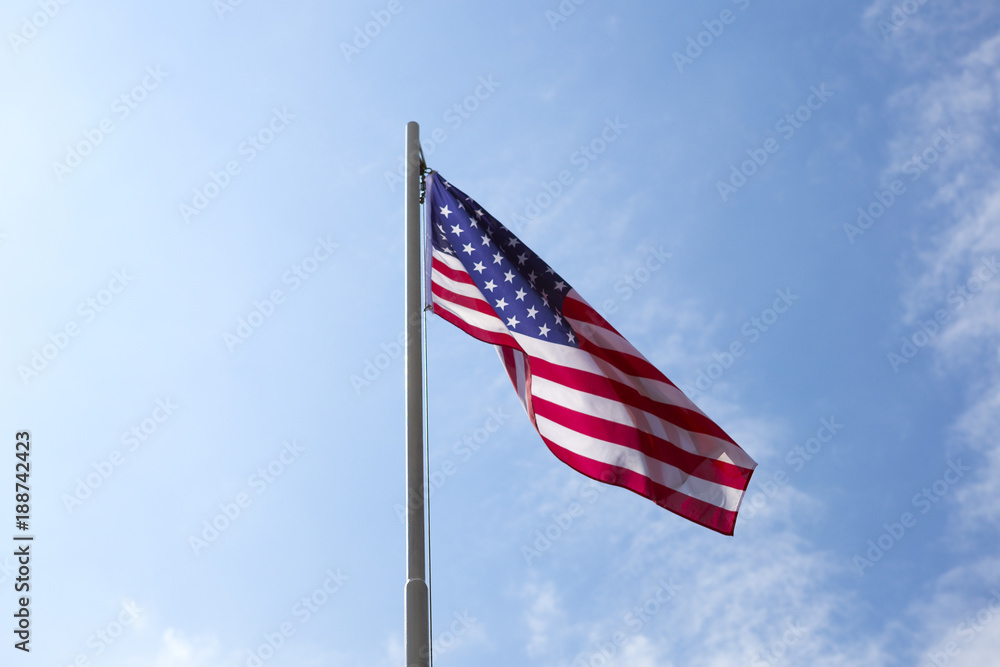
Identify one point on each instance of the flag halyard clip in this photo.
(423, 173)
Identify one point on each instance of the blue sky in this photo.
(201, 254)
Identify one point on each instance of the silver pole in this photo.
(416, 619)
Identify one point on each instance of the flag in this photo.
(597, 403)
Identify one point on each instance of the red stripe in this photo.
(510, 364)
(631, 364)
(712, 470)
(603, 386)
(469, 302)
(699, 511)
(454, 274)
(474, 331)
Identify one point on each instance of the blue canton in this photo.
(523, 290)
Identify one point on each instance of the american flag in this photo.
(598, 404)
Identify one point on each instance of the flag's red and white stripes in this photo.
(604, 409)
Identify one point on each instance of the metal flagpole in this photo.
(416, 619)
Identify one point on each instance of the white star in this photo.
(520, 294)
(486, 239)
(572, 338)
(457, 230)
(512, 322)
(479, 267)
(544, 331)
(508, 277)
(512, 243)
(490, 285)
(473, 223)
(445, 212)
(460, 205)
(479, 212)
(441, 228)
(497, 258)
(467, 248)
(558, 318)
(531, 277)
(548, 269)
(501, 304)
(521, 259)
(560, 286)
(532, 312)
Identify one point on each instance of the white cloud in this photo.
(179, 651)
(963, 93)
(542, 615)
(956, 275)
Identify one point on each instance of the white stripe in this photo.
(472, 317)
(570, 357)
(465, 289)
(584, 361)
(518, 368)
(609, 340)
(623, 457)
(522, 379)
(699, 444)
(450, 261)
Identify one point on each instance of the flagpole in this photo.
(417, 614)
